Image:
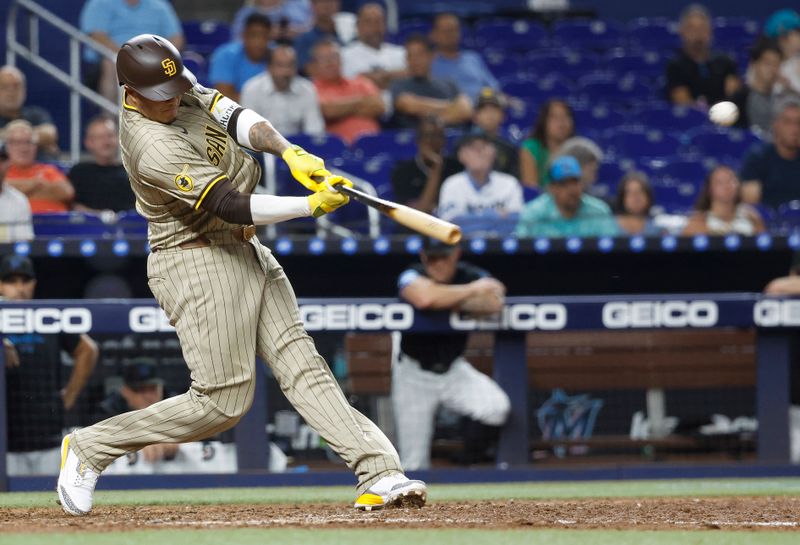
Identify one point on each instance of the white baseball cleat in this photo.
(76, 482)
(395, 490)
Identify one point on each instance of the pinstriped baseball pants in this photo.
(230, 302)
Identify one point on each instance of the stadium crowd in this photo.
(471, 122)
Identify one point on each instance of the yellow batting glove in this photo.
(308, 169)
(327, 199)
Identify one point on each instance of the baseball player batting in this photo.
(223, 291)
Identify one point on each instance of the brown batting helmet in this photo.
(152, 66)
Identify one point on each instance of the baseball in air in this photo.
(724, 113)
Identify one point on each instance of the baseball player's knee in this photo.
(231, 402)
(236, 410)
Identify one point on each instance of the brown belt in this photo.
(242, 234)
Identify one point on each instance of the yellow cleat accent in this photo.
(64, 450)
(369, 499)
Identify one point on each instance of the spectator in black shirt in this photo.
(37, 394)
(431, 371)
(421, 95)
(697, 74)
(416, 182)
(102, 183)
(771, 172)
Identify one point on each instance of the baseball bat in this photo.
(422, 223)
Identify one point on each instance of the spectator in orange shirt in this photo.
(46, 187)
(351, 107)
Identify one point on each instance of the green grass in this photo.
(289, 536)
(496, 491)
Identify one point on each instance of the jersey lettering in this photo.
(217, 142)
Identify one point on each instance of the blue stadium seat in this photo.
(610, 173)
(525, 90)
(537, 89)
(593, 88)
(197, 65)
(718, 142)
(768, 214)
(675, 198)
(789, 215)
(644, 63)
(735, 33)
(70, 224)
(530, 193)
(518, 34)
(650, 143)
(653, 33)
(205, 36)
(585, 34)
(284, 182)
(411, 27)
(326, 146)
(567, 63)
(690, 171)
(398, 144)
(132, 224)
(386, 190)
(376, 170)
(675, 118)
(355, 218)
(597, 118)
(452, 136)
(502, 64)
(524, 115)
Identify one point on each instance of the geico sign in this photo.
(45, 320)
(365, 317)
(521, 317)
(619, 315)
(769, 313)
(148, 320)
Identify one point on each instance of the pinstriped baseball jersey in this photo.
(172, 167)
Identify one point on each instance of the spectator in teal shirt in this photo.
(565, 210)
(233, 63)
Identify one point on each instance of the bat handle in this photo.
(339, 188)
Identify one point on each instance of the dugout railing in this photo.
(774, 321)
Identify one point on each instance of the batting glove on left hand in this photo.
(308, 169)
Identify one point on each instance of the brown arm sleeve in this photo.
(228, 204)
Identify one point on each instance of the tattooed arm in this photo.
(264, 137)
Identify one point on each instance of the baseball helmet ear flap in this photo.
(152, 66)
